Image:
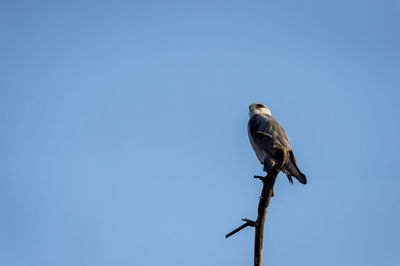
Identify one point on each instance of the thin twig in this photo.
(238, 229)
(251, 222)
(262, 178)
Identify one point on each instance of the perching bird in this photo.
(265, 132)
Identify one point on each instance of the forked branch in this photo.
(265, 198)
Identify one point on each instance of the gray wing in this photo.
(267, 125)
(265, 131)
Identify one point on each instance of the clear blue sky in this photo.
(124, 142)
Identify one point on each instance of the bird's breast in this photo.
(260, 153)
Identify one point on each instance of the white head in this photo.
(258, 108)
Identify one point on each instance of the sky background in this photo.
(124, 131)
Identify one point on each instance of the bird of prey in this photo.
(264, 133)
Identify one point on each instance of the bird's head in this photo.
(258, 108)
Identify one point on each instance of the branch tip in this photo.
(250, 222)
(239, 228)
(262, 178)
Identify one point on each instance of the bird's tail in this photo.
(294, 170)
(289, 177)
(301, 177)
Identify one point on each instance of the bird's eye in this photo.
(260, 106)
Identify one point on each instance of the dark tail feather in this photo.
(289, 177)
(301, 177)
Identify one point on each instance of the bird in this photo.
(265, 133)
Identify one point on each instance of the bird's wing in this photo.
(266, 131)
(263, 140)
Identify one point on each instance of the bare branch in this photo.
(266, 194)
(252, 223)
(238, 229)
(265, 198)
(262, 178)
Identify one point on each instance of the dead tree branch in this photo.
(265, 198)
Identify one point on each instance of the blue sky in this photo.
(124, 142)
